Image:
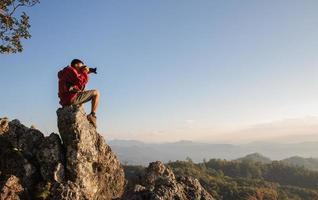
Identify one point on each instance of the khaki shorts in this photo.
(83, 97)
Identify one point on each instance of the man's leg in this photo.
(95, 101)
(89, 95)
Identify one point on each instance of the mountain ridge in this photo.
(138, 152)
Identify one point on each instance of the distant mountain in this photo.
(255, 157)
(308, 163)
(133, 152)
(140, 153)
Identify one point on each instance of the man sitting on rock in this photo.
(72, 81)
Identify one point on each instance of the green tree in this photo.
(14, 24)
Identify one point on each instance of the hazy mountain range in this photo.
(140, 153)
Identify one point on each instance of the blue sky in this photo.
(170, 70)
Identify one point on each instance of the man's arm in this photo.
(78, 78)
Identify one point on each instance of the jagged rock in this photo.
(29, 156)
(160, 183)
(68, 191)
(81, 166)
(11, 189)
(90, 163)
(50, 159)
(4, 125)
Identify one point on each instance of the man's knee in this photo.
(96, 93)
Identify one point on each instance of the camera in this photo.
(93, 70)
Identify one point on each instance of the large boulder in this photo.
(91, 165)
(159, 183)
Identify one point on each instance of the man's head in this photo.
(77, 64)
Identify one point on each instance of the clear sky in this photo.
(171, 70)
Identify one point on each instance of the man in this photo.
(72, 82)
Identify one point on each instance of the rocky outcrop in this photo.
(160, 183)
(77, 164)
(90, 163)
(81, 166)
(27, 159)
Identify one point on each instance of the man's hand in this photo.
(85, 69)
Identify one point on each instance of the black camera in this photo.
(93, 70)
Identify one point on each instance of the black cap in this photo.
(76, 61)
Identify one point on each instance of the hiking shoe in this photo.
(92, 119)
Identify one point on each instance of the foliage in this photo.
(44, 191)
(245, 180)
(14, 25)
(133, 173)
(308, 163)
(274, 172)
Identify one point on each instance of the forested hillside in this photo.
(245, 180)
